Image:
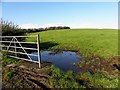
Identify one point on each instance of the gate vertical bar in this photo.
(15, 47)
(38, 46)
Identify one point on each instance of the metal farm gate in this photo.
(14, 40)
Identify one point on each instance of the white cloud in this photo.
(75, 25)
(95, 25)
(52, 24)
(29, 25)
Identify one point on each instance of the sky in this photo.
(60, 0)
(72, 14)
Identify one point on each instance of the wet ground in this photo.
(64, 60)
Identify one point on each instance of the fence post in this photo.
(38, 46)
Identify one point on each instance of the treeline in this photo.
(46, 29)
(11, 29)
(57, 28)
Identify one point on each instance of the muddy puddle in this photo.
(64, 60)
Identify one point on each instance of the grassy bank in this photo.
(87, 42)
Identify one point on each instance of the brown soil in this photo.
(27, 75)
(109, 68)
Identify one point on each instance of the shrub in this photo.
(10, 29)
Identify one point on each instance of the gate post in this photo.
(38, 46)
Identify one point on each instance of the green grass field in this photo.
(98, 42)
(101, 43)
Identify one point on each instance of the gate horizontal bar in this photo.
(15, 36)
(19, 47)
(23, 59)
(20, 53)
(19, 42)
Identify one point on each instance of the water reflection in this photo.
(61, 59)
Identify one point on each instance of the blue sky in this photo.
(73, 14)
